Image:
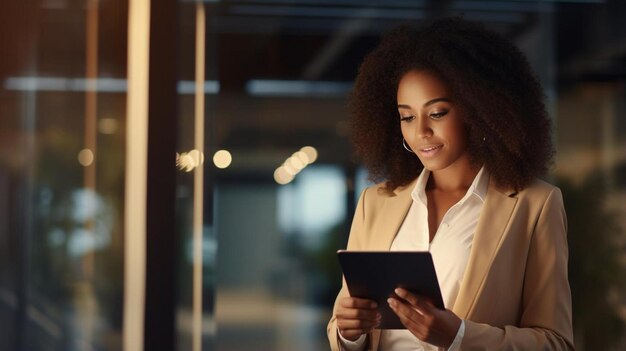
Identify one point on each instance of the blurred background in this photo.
(265, 183)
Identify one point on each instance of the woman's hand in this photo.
(424, 320)
(356, 317)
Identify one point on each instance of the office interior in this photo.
(178, 175)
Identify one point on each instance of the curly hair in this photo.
(508, 128)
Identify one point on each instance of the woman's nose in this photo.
(423, 128)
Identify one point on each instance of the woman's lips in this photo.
(429, 151)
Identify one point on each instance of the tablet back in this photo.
(375, 274)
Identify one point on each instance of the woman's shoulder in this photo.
(540, 193)
(374, 192)
(539, 187)
(381, 191)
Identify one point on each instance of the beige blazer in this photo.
(515, 294)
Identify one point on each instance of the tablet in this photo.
(375, 274)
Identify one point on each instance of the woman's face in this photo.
(431, 122)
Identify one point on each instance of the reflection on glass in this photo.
(85, 157)
(196, 267)
(62, 202)
(188, 161)
(222, 159)
(294, 164)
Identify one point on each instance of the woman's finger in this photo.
(406, 295)
(406, 310)
(354, 302)
(422, 304)
(414, 327)
(351, 313)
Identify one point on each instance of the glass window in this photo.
(62, 159)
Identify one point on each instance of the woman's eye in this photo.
(437, 115)
(407, 118)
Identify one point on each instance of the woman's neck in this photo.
(456, 177)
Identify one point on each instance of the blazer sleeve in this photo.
(546, 312)
(354, 243)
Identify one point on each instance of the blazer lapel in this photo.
(392, 214)
(494, 217)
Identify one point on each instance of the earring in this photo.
(406, 146)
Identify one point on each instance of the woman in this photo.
(451, 121)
